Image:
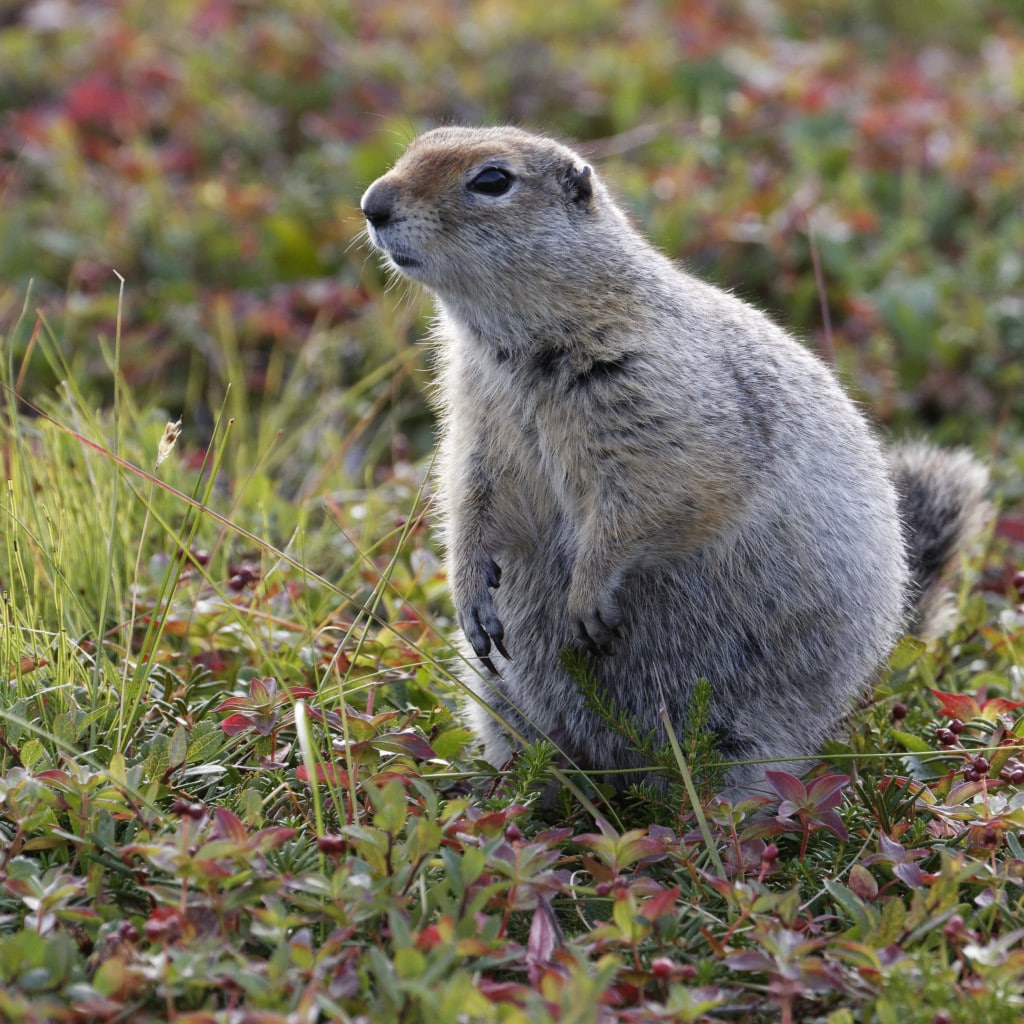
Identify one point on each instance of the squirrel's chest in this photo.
(543, 418)
(551, 436)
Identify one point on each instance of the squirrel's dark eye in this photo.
(491, 181)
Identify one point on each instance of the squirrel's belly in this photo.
(754, 610)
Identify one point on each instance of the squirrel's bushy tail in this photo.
(942, 505)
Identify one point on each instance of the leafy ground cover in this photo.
(234, 785)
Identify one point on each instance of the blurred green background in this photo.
(213, 152)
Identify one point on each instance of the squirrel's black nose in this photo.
(378, 203)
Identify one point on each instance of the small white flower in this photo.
(171, 432)
(1011, 619)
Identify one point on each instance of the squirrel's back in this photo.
(639, 464)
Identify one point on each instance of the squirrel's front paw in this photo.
(597, 628)
(479, 620)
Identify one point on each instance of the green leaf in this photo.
(205, 742)
(913, 744)
(32, 754)
(450, 743)
(425, 839)
(865, 918)
(178, 749)
(251, 806)
(391, 808)
(906, 652)
(409, 963)
(64, 731)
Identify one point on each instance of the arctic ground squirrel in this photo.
(643, 466)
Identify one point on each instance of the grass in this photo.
(234, 784)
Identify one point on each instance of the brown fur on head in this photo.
(486, 211)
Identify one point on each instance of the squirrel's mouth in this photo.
(403, 260)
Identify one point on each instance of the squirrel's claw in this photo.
(493, 573)
(483, 628)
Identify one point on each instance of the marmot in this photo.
(640, 464)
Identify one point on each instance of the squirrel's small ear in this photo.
(578, 184)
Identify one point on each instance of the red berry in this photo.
(331, 844)
(899, 711)
(163, 926)
(662, 967)
(945, 737)
(186, 809)
(956, 726)
(244, 573)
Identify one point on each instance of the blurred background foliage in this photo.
(213, 152)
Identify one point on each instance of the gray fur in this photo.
(662, 475)
(942, 504)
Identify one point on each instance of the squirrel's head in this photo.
(482, 212)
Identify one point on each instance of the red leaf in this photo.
(429, 938)
(545, 938)
(862, 883)
(336, 774)
(262, 690)
(383, 778)
(909, 873)
(235, 724)
(831, 821)
(996, 706)
(749, 962)
(1011, 526)
(96, 99)
(491, 824)
(599, 871)
(264, 724)
(405, 743)
(788, 787)
(504, 991)
(552, 836)
(211, 870)
(957, 705)
(271, 838)
(825, 791)
(26, 665)
(662, 903)
(621, 993)
(232, 703)
(228, 826)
